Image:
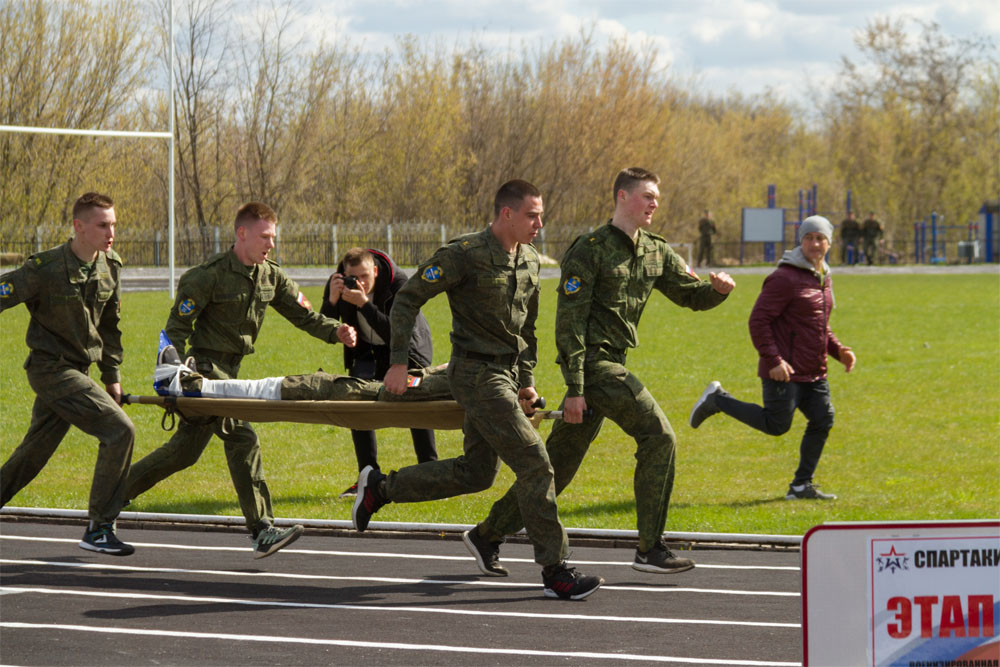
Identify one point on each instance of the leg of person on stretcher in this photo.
(176, 379)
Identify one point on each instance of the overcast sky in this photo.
(741, 45)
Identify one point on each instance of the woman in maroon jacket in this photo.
(790, 327)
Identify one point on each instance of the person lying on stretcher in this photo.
(174, 378)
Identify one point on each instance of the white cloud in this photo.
(745, 45)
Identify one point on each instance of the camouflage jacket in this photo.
(220, 305)
(74, 315)
(606, 281)
(493, 297)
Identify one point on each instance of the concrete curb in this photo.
(591, 536)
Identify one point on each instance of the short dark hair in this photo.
(512, 193)
(90, 200)
(356, 256)
(254, 210)
(628, 178)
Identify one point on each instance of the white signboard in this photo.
(764, 224)
(856, 576)
(934, 601)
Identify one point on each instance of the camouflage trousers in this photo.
(434, 386)
(495, 430)
(612, 392)
(66, 396)
(185, 447)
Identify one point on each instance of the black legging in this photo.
(366, 446)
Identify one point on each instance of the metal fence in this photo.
(411, 242)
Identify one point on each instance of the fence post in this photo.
(388, 239)
(934, 249)
(218, 249)
(277, 242)
(333, 243)
(157, 239)
(38, 238)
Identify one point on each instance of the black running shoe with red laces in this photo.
(562, 581)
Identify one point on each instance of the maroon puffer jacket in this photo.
(791, 321)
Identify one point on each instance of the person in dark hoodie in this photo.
(790, 327)
(360, 294)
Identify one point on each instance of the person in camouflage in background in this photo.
(73, 293)
(607, 277)
(491, 278)
(220, 307)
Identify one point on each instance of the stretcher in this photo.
(357, 415)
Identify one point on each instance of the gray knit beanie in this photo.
(816, 223)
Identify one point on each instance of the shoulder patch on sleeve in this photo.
(432, 274)
(6, 289)
(572, 285)
(186, 307)
(303, 301)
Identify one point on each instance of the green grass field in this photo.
(917, 433)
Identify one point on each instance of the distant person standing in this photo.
(73, 293)
(706, 230)
(360, 294)
(850, 232)
(872, 232)
(790, 327)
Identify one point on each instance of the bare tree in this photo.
(66, 64)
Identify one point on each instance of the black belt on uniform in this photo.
(504, 359)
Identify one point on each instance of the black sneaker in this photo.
(562, 581)
(271, 539)
(103, 540)
(369, 498)
(487, 553)
(660, 560)
(808, 491)
(705, 407)
(349, 492)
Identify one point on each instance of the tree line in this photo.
(325, 132)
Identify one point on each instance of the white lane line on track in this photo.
(389, 645)
(388, 580)
(381, 554)
(393, 608)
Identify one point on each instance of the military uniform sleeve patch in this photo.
(6, 289)
(303, 301)
(185, 307)
(432, 273)
(690, 271)
(572, 285)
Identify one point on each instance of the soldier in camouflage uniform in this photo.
(218, 311)
(607, 277)
(491, 278)
(74, 295)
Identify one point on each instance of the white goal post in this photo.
(168, 135)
